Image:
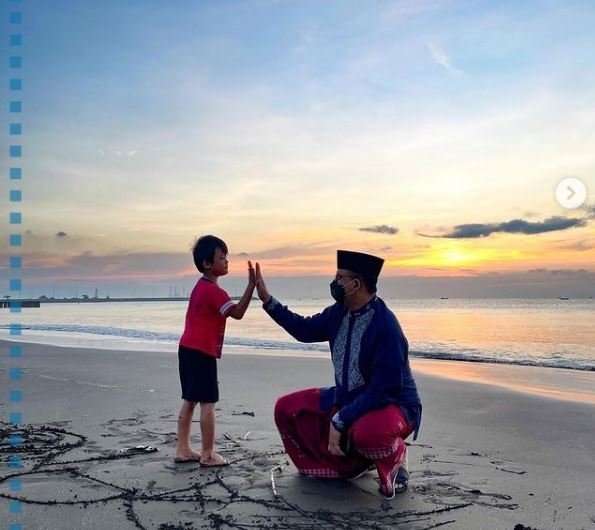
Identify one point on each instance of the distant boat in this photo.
(444, 298)
(563, 298)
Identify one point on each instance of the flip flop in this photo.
(222, 464)
(186, 460)
(399, 482)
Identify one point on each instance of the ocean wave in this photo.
(162, 336)
(585, 365)
(436, 351)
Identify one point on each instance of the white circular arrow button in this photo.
(571, 193)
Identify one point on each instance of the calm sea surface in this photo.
(552, 333)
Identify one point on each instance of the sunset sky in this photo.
(432, 133)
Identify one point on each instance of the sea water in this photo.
(539, 332)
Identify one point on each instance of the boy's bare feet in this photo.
(213, 460)
(188, 455)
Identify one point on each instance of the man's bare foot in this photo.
(188, 455)
(213, 460)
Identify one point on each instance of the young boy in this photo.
(200, 347)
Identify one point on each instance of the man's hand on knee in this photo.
(334, 439)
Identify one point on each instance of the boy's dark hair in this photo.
(204, 250)
(369, 282)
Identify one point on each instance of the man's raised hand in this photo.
(261, 287)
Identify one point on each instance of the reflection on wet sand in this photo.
(571, 385)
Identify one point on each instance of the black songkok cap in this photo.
(360, 263)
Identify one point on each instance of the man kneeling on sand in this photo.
(360, 423)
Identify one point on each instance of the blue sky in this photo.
(287, 126)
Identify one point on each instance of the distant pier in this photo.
(19, 303)
(86, 300)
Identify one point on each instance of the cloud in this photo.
(61, 234)
(560, 272)
(516, 226)
(589, 210)
(90, 266)
(153, 273)
(380, 229)
(293, 251)
(579, 246)
(450, 270)
(398, 11)
(530, 214)
(118, 152)
(441, 58)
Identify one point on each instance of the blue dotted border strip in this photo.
(15, 220)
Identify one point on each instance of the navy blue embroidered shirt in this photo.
(370, 355)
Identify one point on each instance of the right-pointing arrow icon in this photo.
(571, 193)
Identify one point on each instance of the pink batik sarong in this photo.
(377, 437)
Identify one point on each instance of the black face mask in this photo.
(338, 291)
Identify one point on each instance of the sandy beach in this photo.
(489, 455)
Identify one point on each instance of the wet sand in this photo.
(488, 456)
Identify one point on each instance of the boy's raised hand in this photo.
(261, 288)
(251, 274)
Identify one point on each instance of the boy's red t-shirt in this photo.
(207, 311)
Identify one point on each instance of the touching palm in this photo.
(261, 288)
